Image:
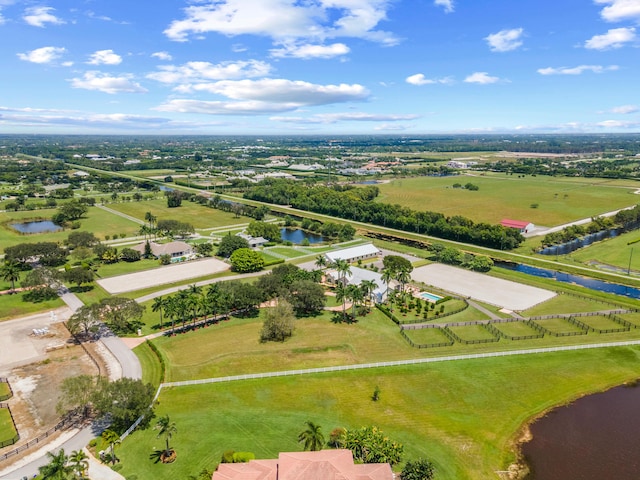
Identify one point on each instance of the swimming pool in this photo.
(430, 296)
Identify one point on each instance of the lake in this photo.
(39, 226)
(297, 236)
(594, 438)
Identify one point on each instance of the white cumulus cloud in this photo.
(505, 40)
(42, 55)
(625, 109)
(579, 70)
(482, 78)
(104, 57)
(39, 16)
(307, 51)
(618, 124)
(447, 4)
(222, 108)
(198, 72)
(285, 19)
(330, 118)
(419, 79)
(614, 38)
(619, 10)
(164, 56)
(106, 83)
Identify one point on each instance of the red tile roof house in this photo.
(321, 465)
(523, 227)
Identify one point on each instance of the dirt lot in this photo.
(36, 386)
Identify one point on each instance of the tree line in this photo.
(358, 204)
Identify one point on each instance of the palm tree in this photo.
(149, 217)
(368, 287)
(312, 437)
(341, 296)
(57, 468)
(166, 428)
(159, 304)
(10, 272)
(78, 460)
(356, 294)
(112, 439)
(342, 267)
(403, 277)
(171, 311)
(387, 276)
(321, 261)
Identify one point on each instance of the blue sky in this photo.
(319, 66)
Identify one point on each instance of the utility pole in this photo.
(630, 256)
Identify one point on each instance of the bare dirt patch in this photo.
(36, 386)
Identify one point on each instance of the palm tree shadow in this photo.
(156, 455)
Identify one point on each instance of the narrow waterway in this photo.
(597, 437)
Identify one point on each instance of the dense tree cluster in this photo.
(49, 254)
(356, 205)
(625, 220)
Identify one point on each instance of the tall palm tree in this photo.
(57, 468)
(356, 294)
(368, 287)
(10, 272)
(403, 277)
(343, 268)
(159, 305)
(112, 439)
(341, 296)
(151, 218)
(171, 311)
(78, 460)
(387, 276)
(321, 261)
(166, 428)
(312, 437)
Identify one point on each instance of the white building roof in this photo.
(353, 252)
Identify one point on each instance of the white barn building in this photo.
(353, 254)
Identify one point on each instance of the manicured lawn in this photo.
(151, 370)
(287, 252)
(463, 415)
(515, 329)
(120, 268)
(633, 318)
(189, 212)
(424, 336)
(565, 304)
(558, 325)
(269, 258)
(7, 432)
(600, 322)
(12, 306)
(4, 390)
(472, 332)
(97, 221)
(560, 200)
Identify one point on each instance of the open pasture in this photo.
(559, 326)
(448, 412)
(559, 200)
(515, 329)
(471, 333)
(566, 304)
(600, 322)
(7, 431)
(426, 336)
(189, 212)
(617, 252)
(96, 220)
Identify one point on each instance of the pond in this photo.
(297, 236)
(595, 437)
(39, 226)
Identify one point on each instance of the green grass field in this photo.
(558, 325)
(7, 431)
(190, 212)
(97, 221)
(13, 306)
(425, 336)
(472, 332)
(560, 200)
(515, 329)
(463, 415)
(615, 251)
(5, 391)
(599, 322)
(565, 304)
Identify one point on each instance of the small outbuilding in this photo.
(254, 242)
(522, 227)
